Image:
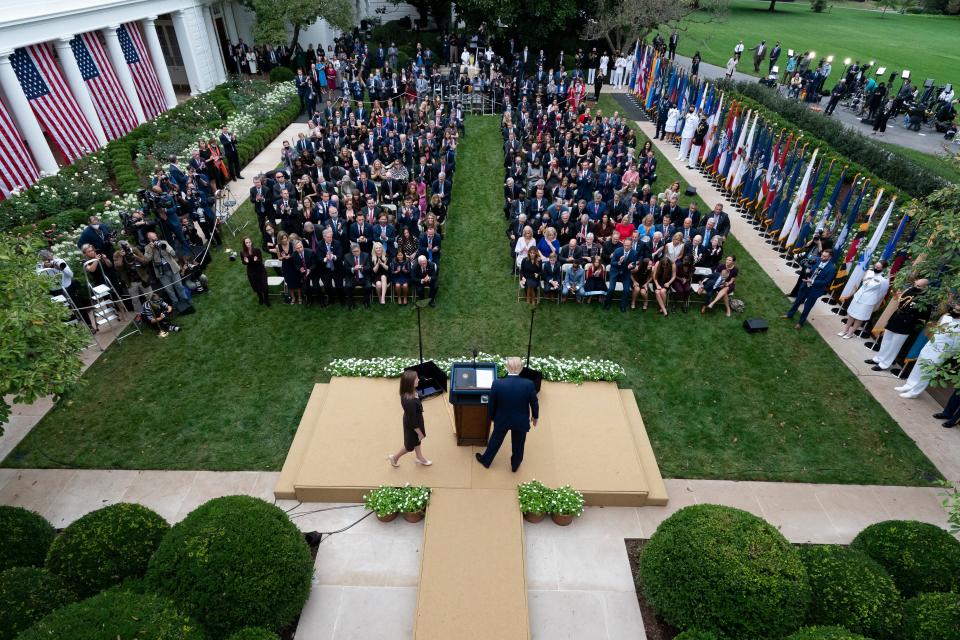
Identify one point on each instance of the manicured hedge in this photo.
(851, 590)
(235, 562)
(28, 594)
(281, 74)
(919, 556)
(721, 569)
(106, 547)
(892, 167)
(254, 633)
(25, 537)
(826, 633)
(696, 634)
(117, 614)
(932, 616)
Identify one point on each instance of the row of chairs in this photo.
(277, 286)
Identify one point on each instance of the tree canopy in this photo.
(537, 21)
(623, 22)
(273, 17)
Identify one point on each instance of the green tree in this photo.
(936, 246)
(39, 353)
(439, 9)
(538, 21)
(623, 22)
(273, 17)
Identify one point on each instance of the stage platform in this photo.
(590, 436)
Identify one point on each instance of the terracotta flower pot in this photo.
(561, 519)
(534, 517)
(415, 516)
(389, 518)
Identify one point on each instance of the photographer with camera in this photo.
(62, 283)
(156, 313)
(136, 224)
(131, 267)
(162, 258)
(98, 235)
(165, 208)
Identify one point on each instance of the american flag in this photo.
(56, 108)
(17, 168)
(144, 76)
(111, 103)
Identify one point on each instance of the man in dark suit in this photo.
(721, 220)
(361, 232)
(513, 401)
(358, 274)
(815, 285)
(329, 258)
(176, 173)
(303, 261)
(261, 197)
(662, 114)
(622, 261)
(424, 275)
(442, 187)
(429, 245)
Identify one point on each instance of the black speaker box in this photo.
(433, 380)
(533, 375)
(691, 191)
(755, 325)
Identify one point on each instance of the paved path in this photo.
(941, 446)
(926, 140)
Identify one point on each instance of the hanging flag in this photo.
(846, 203)
(895, 238)
(780, 214)
(141, 68)
(801, 193)
(842, 237)
(745, 157)
(17, 168)
(805, 194)
(853, 282)
(708, 145)
(110, 101)
(825, 214)
(51, 100)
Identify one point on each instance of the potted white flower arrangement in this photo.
(534, 499)
(413, 502)
(385, 502)
(566, 504)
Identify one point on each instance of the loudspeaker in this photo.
(755, 325)
(533, 375)
(433, 380)
(691, 191)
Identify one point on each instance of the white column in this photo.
(216, 51)
(78, 87)
(24, 117)
(122, 69)
(226, 7)
(159, 62)
(187, 50)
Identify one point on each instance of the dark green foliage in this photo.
(919, 556)
(235, 562)
(889, 165)
(25, 537)
(724, 570)
(117, 613)
(27, 594)
(106, 547)
(825, 633)
(696, 634)
(254, 633)
(281, 74)
(851, 590)
(932, 616)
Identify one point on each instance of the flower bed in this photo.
(553, 369)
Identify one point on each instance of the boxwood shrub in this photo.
(725, 570)
(117, 613)
(281, 74)
(919, 556)
(851, 590)
(254, 633)
(106, 547)
(696, 634)
(27, 594)
(234, 562)
(826, 633)
(932, 616)
(25, 537)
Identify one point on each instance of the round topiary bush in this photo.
(920, 557)
(851, 590)
(725, 570)
(25, 537)
(106, 546)
(696, 634)
(27, 594)
(281, 74)
(825, 633)
(254, 633)
(932, 616)
(235, 562)
(117, 613)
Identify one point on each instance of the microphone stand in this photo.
(533, 311)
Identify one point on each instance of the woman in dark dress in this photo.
(725, 287)
(256, 273)
(291, 274)
(413, 430)
(400, 277)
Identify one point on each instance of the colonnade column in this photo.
(24, 117)
(78, 87)
(159, 62)
(122, 69)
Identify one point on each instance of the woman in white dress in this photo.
(872, 290)
(252, 61)
(673, 115)
(524, 244)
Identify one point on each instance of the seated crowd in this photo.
(358, 205)
(585, 221)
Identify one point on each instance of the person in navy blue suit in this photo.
(513, 401)
(815, 285)
(622, 262)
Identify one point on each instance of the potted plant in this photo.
(566, 504)
(534, 499)
(385, 502)
(414, 502)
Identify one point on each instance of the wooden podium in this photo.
(470, 394)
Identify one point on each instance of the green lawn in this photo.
(940, 165)
(227, 392)
(926, 45)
